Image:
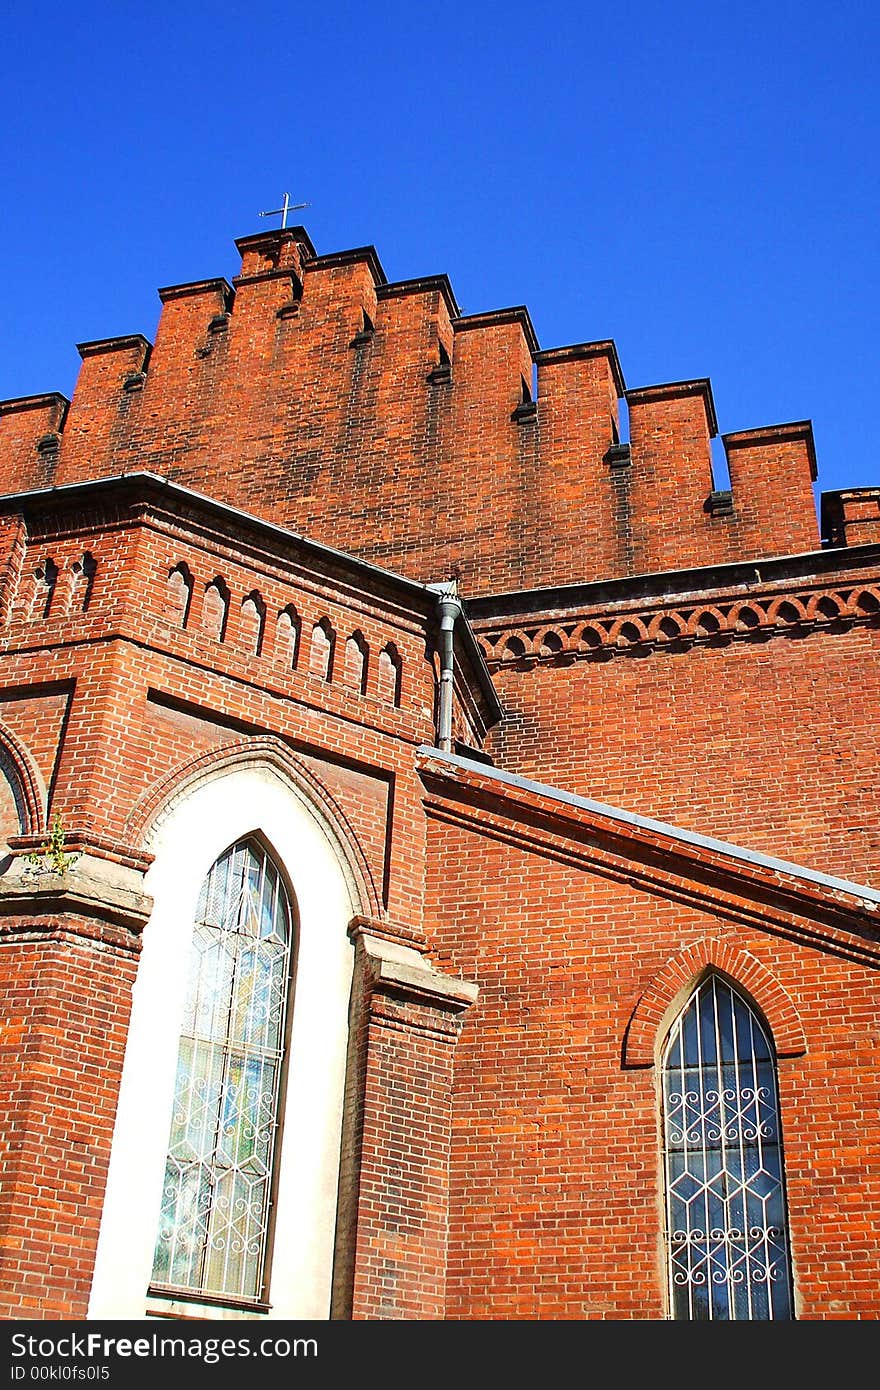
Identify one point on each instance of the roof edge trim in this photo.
(869, 897)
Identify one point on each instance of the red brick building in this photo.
(443, 838)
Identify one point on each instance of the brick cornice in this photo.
(795, 431)
(356, 255)
(97, 346)
(218, 286)
(85, 842)
(149, 500)
(517, 314)
(675, 390)
(434, 284)
(136, 497)
(575, 352)
(636, 625)
(51, 400)
(386, 929)
(831, 564)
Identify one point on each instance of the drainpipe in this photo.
(449, 606)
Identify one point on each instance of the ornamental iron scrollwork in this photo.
(213, 1226)
(726, 1224)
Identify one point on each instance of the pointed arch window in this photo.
(726, 1222)
(214, 1224)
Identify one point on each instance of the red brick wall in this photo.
(771, 476)
(131, 694)
(65, 1002)
(851, 516)
(403, 1181)
(769, 744)
(556, 1202)
(133, 701)
(38, 720)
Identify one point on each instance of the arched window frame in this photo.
(194, 827)
(212, 1271)
(735, 1258)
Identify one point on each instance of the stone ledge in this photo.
(92, 887)
(398, 969)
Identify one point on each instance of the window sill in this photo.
(161, 1298)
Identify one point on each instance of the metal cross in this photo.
(285, 208)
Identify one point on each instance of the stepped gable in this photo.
(375, 417)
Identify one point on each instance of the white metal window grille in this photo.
(213, 1227)
(726, 1233)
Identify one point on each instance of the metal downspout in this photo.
(449, 607)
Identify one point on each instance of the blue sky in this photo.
(699, 183)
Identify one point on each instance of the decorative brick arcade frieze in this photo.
(637, 628)
(144, 560)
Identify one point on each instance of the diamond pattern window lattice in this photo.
(726, 1218)
(213, 1226)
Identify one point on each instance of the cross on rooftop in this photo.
(285, 208)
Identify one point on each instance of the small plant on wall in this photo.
(52, 857)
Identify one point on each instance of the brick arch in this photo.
(589, 637)
(746, 617)
(778, 611)
(680, 973)
(264, 751)
(513, 648)
(866, 601)
(26, 781)
(707, 621)
(669, 627)
(628, 631)
(825, 606)
(550, 641)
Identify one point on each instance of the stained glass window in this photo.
(727, 1242)
(214, 1222)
